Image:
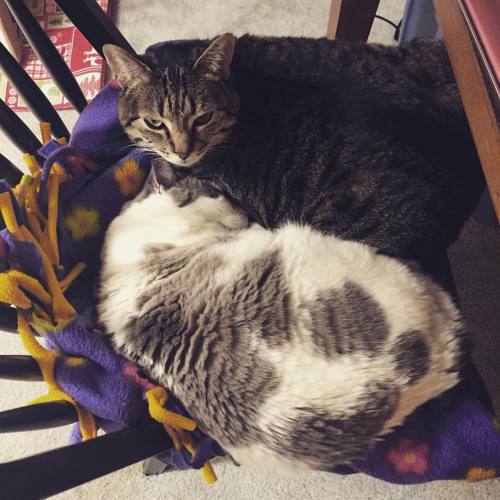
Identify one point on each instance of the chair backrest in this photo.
(83, 462)
(90, 19)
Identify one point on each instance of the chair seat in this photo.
(434, 437)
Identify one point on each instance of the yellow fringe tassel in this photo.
(42, 232)
(65, 283)
(8, 214)
(46, 361)
(31, 163)
(63, 310)
(175, 426)
(46, 132)
(53, 197)
(157, 397)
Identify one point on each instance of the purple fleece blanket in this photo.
(452, 437)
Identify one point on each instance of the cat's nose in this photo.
(182, 156)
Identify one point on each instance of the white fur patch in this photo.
(313, 263)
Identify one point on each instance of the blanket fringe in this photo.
(49, 310)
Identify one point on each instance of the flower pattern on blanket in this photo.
(410, 457)
(129, 178)
(82, 222)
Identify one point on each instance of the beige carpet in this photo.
(144, 22)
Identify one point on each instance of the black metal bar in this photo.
(8, 315)
(38, 416)
(17, 131)
(32, 94)
(19, 368)
(47, 53)
(94, 24)
(9, 171)
(58, 470)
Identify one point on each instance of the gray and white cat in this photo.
(291, 348)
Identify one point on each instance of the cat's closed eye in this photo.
(203, 119)
(153, 123)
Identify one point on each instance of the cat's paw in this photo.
(237, 220)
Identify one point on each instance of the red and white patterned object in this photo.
(84, 62)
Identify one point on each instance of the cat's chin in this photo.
(177, 162)
(182, 165)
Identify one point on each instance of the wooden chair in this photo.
(85, 461)
(351, 19)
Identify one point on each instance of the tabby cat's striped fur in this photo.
(366, 142)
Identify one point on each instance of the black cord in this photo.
(397, 27)
(387, 21)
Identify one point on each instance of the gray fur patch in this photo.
(162, 261)
(347, 320)
(262, 300)
(324, 441)
(187, 190)
(200, 334)
(411, 356)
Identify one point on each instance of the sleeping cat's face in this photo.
(168, 215)
(194, 209)
(182, 112)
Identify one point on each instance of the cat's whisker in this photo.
(147, 149)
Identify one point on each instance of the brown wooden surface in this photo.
(351, 19)
(475, 97)
(9, 32)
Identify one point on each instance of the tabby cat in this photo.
(362, 141)
(293, 349)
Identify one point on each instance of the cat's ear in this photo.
(214, 63)
(129, 70)
(162, 175)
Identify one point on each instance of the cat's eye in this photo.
(203, 119)
(154, 124)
